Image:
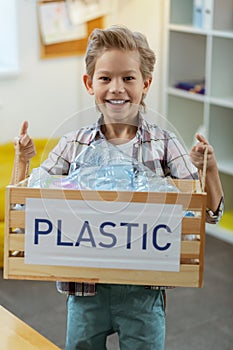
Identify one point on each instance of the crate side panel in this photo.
(6, 234)
(190, 275)
(187, 277)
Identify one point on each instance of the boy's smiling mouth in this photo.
(117, 102)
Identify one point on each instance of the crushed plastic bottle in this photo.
(103, 166)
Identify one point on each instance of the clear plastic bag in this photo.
(103, 166)
(40, 178)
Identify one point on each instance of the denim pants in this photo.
(135, 313)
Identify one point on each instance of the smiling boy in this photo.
(119, 66)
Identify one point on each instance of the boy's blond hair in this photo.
(119, 37)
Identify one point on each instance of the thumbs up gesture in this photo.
(24, 145)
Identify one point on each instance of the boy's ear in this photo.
(147, 84)
(88, 84)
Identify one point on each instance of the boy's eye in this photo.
(104, 78)
(128, 78)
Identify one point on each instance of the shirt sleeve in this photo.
(58, 161)
(178, 160)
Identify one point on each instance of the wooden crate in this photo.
(192, 251)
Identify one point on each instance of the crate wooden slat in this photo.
(188, 249)
(192, 247)
(188, 276)
(189, 225)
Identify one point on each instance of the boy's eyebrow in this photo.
(104, 71)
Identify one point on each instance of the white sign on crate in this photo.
(123, 235)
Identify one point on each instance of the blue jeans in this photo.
(135, 313)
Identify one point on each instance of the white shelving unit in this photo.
(202, 53)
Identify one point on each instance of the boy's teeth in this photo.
(117, 102)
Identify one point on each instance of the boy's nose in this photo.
(116, 87)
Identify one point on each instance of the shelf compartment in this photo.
(181, 12)
(223, 101)
(223, 15)
(187, 57)
(220, 133)
(186, 116)
(223, 33)
(222, 72)
(187, 29)
(186, 94)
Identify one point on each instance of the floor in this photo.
(200, 319)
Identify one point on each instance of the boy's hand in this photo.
(197, 154)
(24, 143)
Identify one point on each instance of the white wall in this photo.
(46, 92)
(147, 16)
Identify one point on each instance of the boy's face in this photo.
(117, 85)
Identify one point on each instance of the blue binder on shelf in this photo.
(198, 13)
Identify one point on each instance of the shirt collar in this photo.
(142, 133)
